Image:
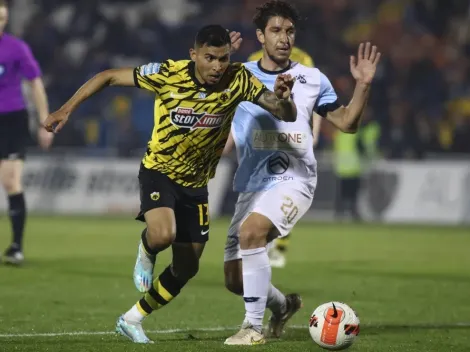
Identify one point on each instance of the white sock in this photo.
(134, 315)
(276, 300)
(256, 280)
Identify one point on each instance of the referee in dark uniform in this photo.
(17, 63)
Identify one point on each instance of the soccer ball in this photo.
(334, 326)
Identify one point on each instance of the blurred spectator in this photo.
(420, 97)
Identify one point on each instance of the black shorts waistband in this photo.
(14, 114)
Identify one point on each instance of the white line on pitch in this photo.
(186, 330)
(90, 333)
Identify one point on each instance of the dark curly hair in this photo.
(212, 35)
(274, 8)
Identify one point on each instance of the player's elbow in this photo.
(108, 77)
(342, 123)
(347, 128)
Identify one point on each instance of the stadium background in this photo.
(420, 98)
(409, 283)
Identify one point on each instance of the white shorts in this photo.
(284, 204)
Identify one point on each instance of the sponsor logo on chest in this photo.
(188, 118)
(276, 140)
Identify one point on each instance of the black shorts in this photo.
(189, 204)
(14, 135)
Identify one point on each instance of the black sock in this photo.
(17, 217)
(163, 290)
(146, 245)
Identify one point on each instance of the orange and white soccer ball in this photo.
(334, 326)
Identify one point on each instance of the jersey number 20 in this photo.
(289, 209)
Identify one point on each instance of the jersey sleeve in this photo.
(253, 88)
(28, 65)
(327, 99)
(150, 76)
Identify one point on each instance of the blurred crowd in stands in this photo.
(420, 97)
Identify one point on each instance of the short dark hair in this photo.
(212, 35)
(274, 8)
(3, 3)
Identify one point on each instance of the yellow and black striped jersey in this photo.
(297, 55)
(192, 120)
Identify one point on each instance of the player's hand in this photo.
(56, 121)
(363, 68)
(44, 138)
(283, 86)
(236, 39)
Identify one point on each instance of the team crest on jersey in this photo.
(225, 95)
(301, 79)
(187, 118)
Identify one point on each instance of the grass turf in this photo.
(409, 284)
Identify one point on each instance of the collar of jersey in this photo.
(288, 67)
(192, 74)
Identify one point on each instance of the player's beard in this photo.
(281, 61)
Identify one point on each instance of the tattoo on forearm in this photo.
(270, 99)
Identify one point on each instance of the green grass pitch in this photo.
(409, 284)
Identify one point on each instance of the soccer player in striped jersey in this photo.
(194, 106)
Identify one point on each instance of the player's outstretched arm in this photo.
(316, 126)
(123, 77)
(280, 103)
(348, 118)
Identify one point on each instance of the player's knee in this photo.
(11, 182)
(252, 237)
(159, 236)
(191, 272)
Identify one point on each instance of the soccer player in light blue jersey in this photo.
(279, 247)
(277, 172)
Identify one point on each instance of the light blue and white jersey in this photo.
(270, 151)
